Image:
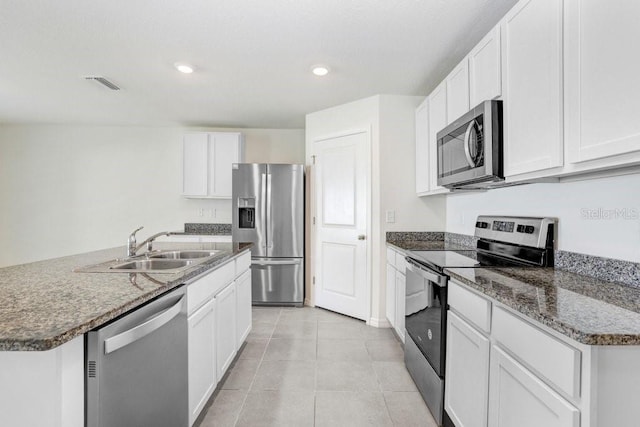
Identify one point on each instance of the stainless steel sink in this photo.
(152, 264)
(181, 255)
(170, 261)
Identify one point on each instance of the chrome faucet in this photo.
(131, 248)
(134, 247)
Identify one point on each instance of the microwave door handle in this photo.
(467, 140)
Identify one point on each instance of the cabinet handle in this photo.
(361, 237)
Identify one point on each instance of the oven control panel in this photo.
(527, 231)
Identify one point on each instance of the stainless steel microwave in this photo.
(470, 149)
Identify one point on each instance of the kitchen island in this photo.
(46, 309)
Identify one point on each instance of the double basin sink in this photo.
(172, 261)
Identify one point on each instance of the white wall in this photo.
(586, 210)
(71, 189)
(392, 124)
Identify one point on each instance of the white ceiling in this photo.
(252, 57)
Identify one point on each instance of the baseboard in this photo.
(379, 323)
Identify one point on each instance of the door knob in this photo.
(361, 237)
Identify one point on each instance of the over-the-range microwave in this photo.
(470, 149)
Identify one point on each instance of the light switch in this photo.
(391, 216)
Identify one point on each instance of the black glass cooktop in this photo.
(439, 260)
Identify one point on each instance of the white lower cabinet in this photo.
(391, 295)
(219, 320)
(519, 398)
(395, 292)
(202, 366)
(243, 300)
(467, 374)
(226, 318)
(400, 304)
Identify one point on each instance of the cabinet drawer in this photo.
(206, 287)
(391, 257)
(556, 361)
(473, 307)
(243, 263)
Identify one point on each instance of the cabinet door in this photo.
(437, 122)
(519, 398)
(243, 298)
(467, 392)
(391, 295)
(485, 77)
(458, 91)
(532, 84)
(226, 151)
(603, 94)
(195, 164)
(422, 148)
(400, 304)
(225, 328)
(202, 365)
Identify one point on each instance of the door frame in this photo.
(367, 130)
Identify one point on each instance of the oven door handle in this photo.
(423, 272)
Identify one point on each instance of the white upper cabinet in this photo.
(532, 86)
(602, 67)
(422, 148)
(207, 160)
(485, 76)
(437, 122)
(458, 91)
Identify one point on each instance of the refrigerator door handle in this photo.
(268, 216)
(276, 262)
(263, 191)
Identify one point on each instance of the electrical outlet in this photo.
(200, 212)
(391, 216)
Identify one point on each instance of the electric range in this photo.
(502, 241)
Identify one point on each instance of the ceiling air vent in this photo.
(103, 82)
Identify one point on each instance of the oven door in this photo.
(425, 311)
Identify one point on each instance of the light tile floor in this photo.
(312, 367)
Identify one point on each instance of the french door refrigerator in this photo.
(268, 210)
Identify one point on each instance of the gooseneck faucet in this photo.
(133, 247)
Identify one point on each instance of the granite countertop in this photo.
(588, 310)
(425, 245)
(45, 304)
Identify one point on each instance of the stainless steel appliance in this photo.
(136, 367)
(268, 210)
(503, 241)
(470, 149)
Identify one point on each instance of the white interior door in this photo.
(340, 258)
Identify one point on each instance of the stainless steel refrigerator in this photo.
(268, 210)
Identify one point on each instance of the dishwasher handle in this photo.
(416, 268)
(137, 332)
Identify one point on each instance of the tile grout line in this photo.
(257, 368)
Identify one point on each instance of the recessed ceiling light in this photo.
(320, 70)
(183, 68)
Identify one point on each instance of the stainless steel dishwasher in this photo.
(136, 367)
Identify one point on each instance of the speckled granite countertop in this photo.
(586, 309)
(425, 245)
(45, 304)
